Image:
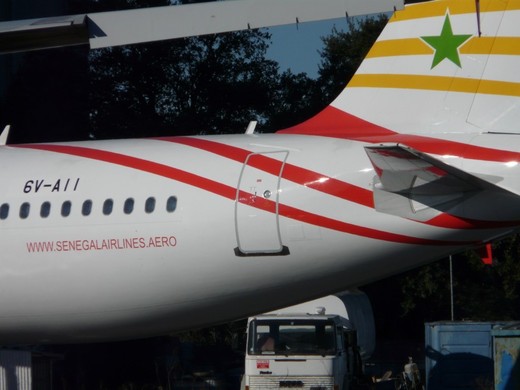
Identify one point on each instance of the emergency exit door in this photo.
(256, 206)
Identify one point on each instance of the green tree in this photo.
(299, 97)
(209, 84)
(343, 52)
(490, 292)
(296, 98)
(481, 292)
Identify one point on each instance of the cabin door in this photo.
(256, 205)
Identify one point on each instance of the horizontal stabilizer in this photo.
(415, 185)
(403, 169)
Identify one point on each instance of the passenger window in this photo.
(149, 205)
(24, 210)
(86, 208)
(128, 206)
(171, 204)
(4, 211)
(108, 205)
(65, 208)
(45, 210)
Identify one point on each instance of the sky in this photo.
(297, 48)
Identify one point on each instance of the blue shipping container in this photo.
(507, 350)
(459, 355)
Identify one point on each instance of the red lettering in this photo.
(104, 244)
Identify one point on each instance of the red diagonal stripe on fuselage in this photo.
(298, 175)
(230, 193)
(142, 165)
(340, 226)
(330, 186)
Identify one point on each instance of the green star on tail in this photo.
(446, 45)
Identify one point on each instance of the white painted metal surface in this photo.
(152, 24)
(102, 275)
(116, 28)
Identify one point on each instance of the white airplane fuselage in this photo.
(254, 222)
(417, 158)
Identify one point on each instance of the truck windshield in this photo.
(292, 337)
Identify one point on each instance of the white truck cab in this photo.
(312, 346)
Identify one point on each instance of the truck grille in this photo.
(299, 383)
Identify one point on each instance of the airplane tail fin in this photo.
(438, 67)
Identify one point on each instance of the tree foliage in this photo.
(295, 99)
(210, 84)
(481, 292)
(299, 97)
(343, 52)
